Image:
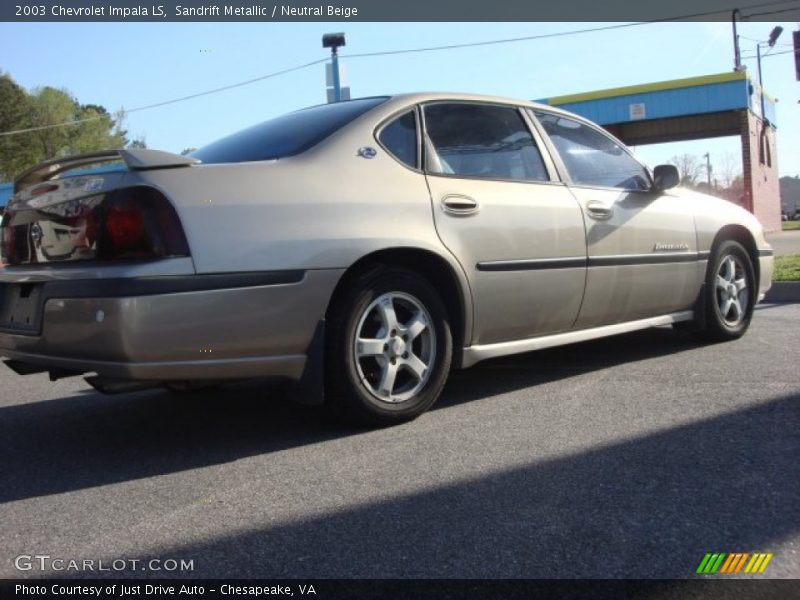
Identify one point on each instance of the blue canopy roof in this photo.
(6, 190)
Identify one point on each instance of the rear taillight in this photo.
(125, 225)
(131, 223)
(139, 222)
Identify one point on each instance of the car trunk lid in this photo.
(61, 207)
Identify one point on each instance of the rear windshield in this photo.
(285, 135)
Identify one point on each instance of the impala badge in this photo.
(367, 152)
(659, 247)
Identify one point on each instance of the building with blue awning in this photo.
(6, 190)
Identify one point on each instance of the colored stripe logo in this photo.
(733, 563)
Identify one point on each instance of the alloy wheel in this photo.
(395, 347)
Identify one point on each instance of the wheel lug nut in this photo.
(405, 354)
(394, 360)
(393, 332)
(386, 346)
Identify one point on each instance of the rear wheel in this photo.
(730, 291)
(389, 348)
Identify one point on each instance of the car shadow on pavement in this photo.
(644, 507)
(88, 439)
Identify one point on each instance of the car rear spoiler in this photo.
(134, 158)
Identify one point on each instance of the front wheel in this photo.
(731, 293)
(389, 348)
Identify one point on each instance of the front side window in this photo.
(400, 138)
(592, 158)
(479, 140)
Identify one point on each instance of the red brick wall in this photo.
(762, 189)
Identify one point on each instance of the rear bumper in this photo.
(178, 328)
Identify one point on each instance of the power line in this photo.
(404, 51)
(774, 12)
(566, 33)
(763, 56)
(173, 101)
(494, 42)
(230, 87)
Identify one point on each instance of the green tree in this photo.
(139, 142)
(90, 127)
(15, 153)
(62, 126)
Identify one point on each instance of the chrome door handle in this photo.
(458, 205)
(599, 210)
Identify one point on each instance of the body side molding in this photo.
(474, 354)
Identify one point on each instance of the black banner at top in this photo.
(394, 10)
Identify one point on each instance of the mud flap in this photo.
(310, 389)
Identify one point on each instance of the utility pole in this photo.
(737, 55)
(707, 156)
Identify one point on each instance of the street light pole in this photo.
(707, 156)
(333, 41)
(760, 82)
(337, 84)
(773, 37)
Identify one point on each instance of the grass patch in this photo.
(790, 225)
(787, 268)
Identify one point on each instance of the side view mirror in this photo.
(666, 177)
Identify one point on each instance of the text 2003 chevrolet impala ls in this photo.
(371, 244)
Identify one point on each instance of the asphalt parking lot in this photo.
(626, 457)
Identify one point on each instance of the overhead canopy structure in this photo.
(6, 189)
(723, 104)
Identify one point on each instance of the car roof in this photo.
(419, 97)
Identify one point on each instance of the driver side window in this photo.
(592, 158)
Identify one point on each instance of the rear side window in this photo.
(591, 157)
(400, 138)
(481, 140)
(285, 135)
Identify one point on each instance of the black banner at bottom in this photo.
(407, 589)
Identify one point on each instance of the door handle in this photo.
(599, 210)
(458, 205)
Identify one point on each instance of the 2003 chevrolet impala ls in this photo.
(363, 249)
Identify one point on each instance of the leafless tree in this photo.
(690, 168)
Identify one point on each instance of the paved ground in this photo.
(785, 242)
(632, 456)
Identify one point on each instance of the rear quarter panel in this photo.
(322, 209)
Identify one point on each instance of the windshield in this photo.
(285, 135)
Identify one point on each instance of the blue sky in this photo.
(135, 64)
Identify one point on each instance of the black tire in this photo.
(719, 327)
(352, 384)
